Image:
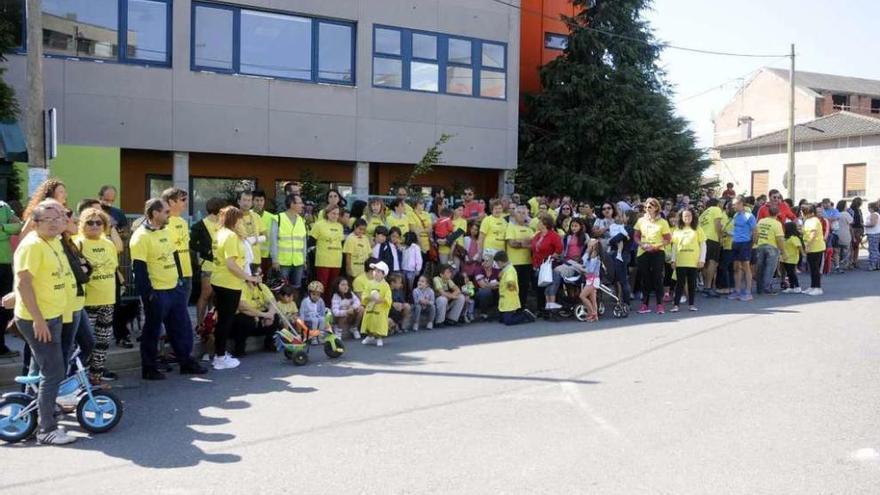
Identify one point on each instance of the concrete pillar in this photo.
(361, 182)
(506, 182)
(180, 173)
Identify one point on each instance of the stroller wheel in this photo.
(601, 309)
(300, 358)
(618, 311)
(580, 312)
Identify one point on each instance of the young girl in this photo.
(412, 259)
(470, 260)
(312, 308)
(688, 252)
(346, 308)
(468, 289)
(794, 248)
(814, 242)
(377, 297)
(423, 301)
(592, 266)
(286, 304)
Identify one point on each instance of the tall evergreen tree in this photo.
(604, 124)
(8, 104)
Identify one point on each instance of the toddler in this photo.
(312, 308)
(423, 300)
(346, 308)
(617, 230)
(286, 304)
(400, 309)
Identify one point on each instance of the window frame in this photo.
(549, 34)
(236, 43)
(766, 173)
(847, 166)
(121, 40)
(406, 58)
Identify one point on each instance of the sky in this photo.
(829, 37)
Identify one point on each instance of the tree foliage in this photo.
(8, 105)
(604, 124)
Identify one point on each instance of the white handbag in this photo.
(545, 273)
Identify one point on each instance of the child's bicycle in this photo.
(98, 411)
(296, 339)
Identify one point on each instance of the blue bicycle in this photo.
(98, 411)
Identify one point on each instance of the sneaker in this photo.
(430, 325)
(55, 437)
(643, 309)
(796, 290)
(231, 361)
(551, 306)
(368, 340)
(109, 376)
(415, 328)
(207, 358)
(530, 314)
(222, 363)
(125, 343)
(619, 257)
(734, 296)
(746, 297)
(674, 309)
(692, 308)
(152, 374)
(661, 309)
(815, 291)
(379, 343)
(788, 291)
(683, 300)
(355, 335)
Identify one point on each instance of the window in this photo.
(875, 105)
(272, 44)
(840, 102)
(204, 188)
(760, 181)
(91, 29)
(555, 41)
(854, 180)
(156, 184)
(13, 11)
(438, 63)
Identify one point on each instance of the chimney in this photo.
(745, 127)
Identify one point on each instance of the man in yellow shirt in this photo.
(178, 229)
(254, 228)
(711, 224)
(508, 294)
(267, 218)
(771, 242)
(158, 280)
(357, 249)
(519, 242)
(40, 299)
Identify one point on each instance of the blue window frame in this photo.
(237, 40)
(126, 31)
(425, 61)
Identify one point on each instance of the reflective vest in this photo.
(291, 241)
(268, 218)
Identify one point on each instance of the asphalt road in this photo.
(776, 396)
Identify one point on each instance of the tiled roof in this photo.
(834, 126)
(829, 82)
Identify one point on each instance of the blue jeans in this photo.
(874, 251)
(486, 299)
(50, 359)
(293, 275)
(767, 262)
(166, 307)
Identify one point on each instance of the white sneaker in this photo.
(796, 290)
(231, 361)
(206, 358)
(355, 335)
(379, 343)
(368, 340)
(551, 305)
(430, 325)
(815, 292)
(683, 300)
(219, 363)
(225, 362)
(55, 437)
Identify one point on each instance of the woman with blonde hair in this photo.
(652, 234)
(100, 290)
(375, 216)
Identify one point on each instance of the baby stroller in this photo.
(569, 292)
(296, 339)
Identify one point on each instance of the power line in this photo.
(657, 45)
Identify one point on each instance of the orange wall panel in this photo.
(539, 17)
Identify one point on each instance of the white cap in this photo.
(380, 266)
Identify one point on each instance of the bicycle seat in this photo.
(28, 380)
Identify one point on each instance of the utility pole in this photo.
(791, 182)
(36, 132)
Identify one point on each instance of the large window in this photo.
(236, 40)
(438, 63)
(760, 182)
(854, 180)
(134, 31)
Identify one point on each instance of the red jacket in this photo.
(543, 248)
(784, 212)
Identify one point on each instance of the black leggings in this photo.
(226, 303)
(652, 269)
(815, 262)
(683, 273)
(791, 273)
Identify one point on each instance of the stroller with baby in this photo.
(574, 281)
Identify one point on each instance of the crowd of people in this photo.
(377, 268)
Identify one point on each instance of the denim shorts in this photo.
(742, 251)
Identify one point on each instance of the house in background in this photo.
(837, 136)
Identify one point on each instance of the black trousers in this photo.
(791, 273)
(245, 326)
(815, 262)
(682, 275)
(652, 270)
(540, 299)
(226, 302)
(524, 276)
(5, 314)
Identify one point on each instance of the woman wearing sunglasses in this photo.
(100, 291)
(652, 233)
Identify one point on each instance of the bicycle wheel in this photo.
(100, 414)
(14, 430)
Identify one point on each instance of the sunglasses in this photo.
(95, 223)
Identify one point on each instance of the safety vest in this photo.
(267, 218)
(291, 240)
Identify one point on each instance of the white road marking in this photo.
(571, 391)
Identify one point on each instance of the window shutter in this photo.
(854, 180)
(760, 182)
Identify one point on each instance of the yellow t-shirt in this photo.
(423, 222)
(707, 222)
(813, 226)
(178, 229)
(401, 223)
(652, 232)
(508, 290)
(257, 296)
(254, 226)
(329, 237)
(267, 218)
(212, 228)
(686, 243)
(494, 229)
(289, 310)
(47, 264)
(155, 248)
(359, 284)
(792, 250)
(229, 245)
(372, 223)
(727, 233)
(534, 206)
(769, 229)
(519, 256)
(359, 249)
(101, 253)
